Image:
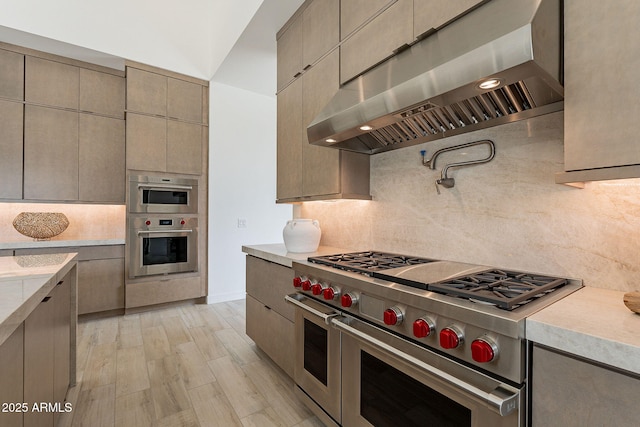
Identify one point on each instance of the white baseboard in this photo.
(232, 296)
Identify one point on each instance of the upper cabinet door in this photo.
(600, 127)
(50, 154)
(146, 92)
(321, 30)
(12, 75)
(377, 41)
(430, 15)
(51, 83)
(11, 117)
(146, 143)
(184, 100)
(102, 93)
(102, 159)
(354, 13)
(290, 53)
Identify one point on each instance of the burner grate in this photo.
(505, 289)
(367, 262)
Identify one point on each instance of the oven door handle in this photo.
(503, 399)
(297, 300)
(163, 231)
(165, 186)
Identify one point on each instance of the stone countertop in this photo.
(31, 244)
(278, 253)
(25, 281)
(591, 323)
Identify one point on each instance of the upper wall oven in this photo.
(157, 194)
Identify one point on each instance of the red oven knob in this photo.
(183, 222)
(423, 327)
(484, 350)
(316, 289)
(147, 222)
(331, 293)
(297, 282)
(392, 316)
(306, 285)
(450, 337)
(348, 300)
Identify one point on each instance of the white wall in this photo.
(242, 184)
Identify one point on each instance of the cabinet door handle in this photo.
(45, 299)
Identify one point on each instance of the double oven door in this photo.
(163, 245)
(362, 375)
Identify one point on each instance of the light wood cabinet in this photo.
(309, 172)
(51, 83)
(61, 296)
(11, 371)
(50, 154)
(39, 341)
(354, 13)
(596, 133)
(102, 93)
(320, 30)
(289, 59)
(431, 15)
(146, 92)
(289, 142)
(270, 320)
(170, 138)
(312, 32)
(11, 136)
(100, 284)
(567, 391)
(158, 290)
(12, 72)
(146, 142)
(320, 165)
(101, 145)
(377, 41)
(184, 101)
(184, 147)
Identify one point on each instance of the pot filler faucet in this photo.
(444, 180)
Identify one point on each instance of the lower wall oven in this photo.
(162, 244)
(360, 375)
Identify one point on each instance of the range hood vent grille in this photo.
(428, 119)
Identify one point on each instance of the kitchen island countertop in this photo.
(25, 281)
(592, 323)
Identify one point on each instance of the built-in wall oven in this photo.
(375, 347)
(162, 194)
(162, 244)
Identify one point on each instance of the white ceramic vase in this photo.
(302, 235)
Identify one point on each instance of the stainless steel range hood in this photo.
(432, 89)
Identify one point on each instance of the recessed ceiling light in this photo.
(489, 84)
(365, 128)
(330, 140)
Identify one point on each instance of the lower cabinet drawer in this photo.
(273, 333)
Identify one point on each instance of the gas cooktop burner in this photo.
(504, 289)
(367, 262)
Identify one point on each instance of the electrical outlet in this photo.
(242, 223)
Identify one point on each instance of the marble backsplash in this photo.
(507, 213)
(86, 222)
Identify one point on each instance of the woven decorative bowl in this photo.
(40, 225)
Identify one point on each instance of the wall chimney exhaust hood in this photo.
(500, 63)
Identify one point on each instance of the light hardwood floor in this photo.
(191, 365)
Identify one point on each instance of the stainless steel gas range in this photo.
(387, 340)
